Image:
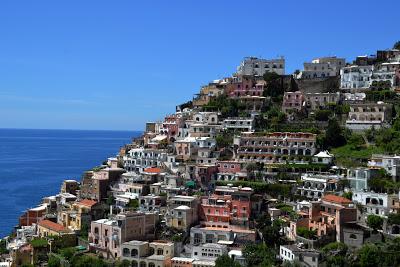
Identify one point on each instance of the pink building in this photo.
(205, 173)
(216, 209)
(229, 205)
(327, 217)
(185, 148)
(241, 206)
(229, 166)
(243, 85)
(292, 101)
(171, 125)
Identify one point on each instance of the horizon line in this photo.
(64, 129)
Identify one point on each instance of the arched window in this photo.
(160, 251)
(353, 236)
(134, 264)
(152, 264)
(125, 252)
(142, 264)
(134, 252)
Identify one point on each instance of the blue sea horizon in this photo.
(34, 162)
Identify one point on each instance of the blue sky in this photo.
(117, 64)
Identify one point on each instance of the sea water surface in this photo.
(33, 164)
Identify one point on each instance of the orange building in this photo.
(326, 217)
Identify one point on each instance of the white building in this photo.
(375, 203)
(390, 163)
(307, 257)
(143, 253)
(316, 101)
(208, 251)
(359, 177)
(259, 66)
(315, 185)
(349, 97)
(206, 117)
(229, 176)
(322, 68)
(323, 157)
(203, 263)
(385, 72)
(239, 124)
(356, 77)
(367, 115)
(139, 159)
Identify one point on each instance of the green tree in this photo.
(110, 200)
(269, 229)
(224, 140)
(124, 263)
(322, 115)
(294, 263)
(394, 218)
(133, 203)
(396, 45)
(251, 168)
(306, 233)
(67, 253)
(226, 261)
(88, 261)
(374, 221)
(335, 254)
(3, 247)
(274, 87)
(348, 195)
(84, 232)
(258, 255)
(334, 135)
(54, 262)
(370, 256)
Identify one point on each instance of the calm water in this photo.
(33, 163)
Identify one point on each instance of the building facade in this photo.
(259, 66)
(277, 147)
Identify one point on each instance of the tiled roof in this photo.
(87, 202)
(52, 225)
(152, 170)
(336, 199)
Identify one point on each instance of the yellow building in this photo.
(48, 228)
(77, 214)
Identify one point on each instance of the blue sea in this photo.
(33, 164)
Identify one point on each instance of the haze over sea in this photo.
(33, 164)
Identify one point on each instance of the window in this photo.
(125, 252)
(134, 252)
(353, 236)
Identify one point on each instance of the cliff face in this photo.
(320, 85)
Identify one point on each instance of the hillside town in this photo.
(261, 168)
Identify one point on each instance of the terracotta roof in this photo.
(153, 170)
(336, 199)
(87, 202)
(52, 225)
